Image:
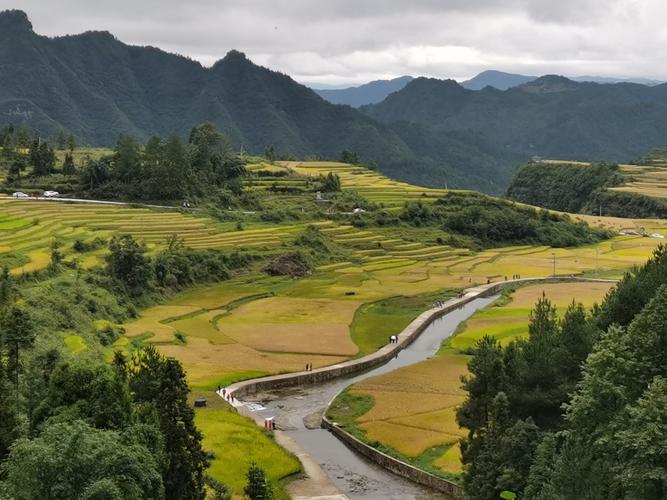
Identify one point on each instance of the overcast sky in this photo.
(354, 41)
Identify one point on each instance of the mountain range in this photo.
(551, 116)
(376, 91)
(368, 93)
(430, 132)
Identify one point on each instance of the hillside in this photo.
(550, 117)
(621, 191)
(368, 93)
(97, 87)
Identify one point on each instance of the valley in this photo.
(254, 325)
(218, 283)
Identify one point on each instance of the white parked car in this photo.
(51, 194)
(19, 194)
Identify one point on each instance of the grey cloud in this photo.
(351, 41)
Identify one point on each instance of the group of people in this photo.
(226, 396)
(309, 367)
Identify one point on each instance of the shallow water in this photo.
(355, 476)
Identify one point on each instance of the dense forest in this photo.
(576, 409)
(581, 189)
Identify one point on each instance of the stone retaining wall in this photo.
(394, 465)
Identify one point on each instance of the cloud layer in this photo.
(345, 41)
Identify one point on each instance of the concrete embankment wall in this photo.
(396, 466)
(407, 336)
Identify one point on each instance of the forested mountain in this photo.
(551, 116)
(96, 87)
(368, 93)
(432, 132)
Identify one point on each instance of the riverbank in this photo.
(322, 375)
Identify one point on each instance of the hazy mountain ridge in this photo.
(551, 116)
(368, 93)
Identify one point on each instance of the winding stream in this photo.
(356, 477)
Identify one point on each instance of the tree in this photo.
(350, 157)
(23, 137)
(42, 158)
(482, 458)
(331, 183)
(6, 286)
(95, 173)
(19, 333)
(127, 160)
(161, 382)
(258, 486)
(68, 165)
(8, 417)
(270, 153)
(71, 143)
(74, 460)
(87, 391)
(56, 255)
(15, 170)
(486, 380)
(127, 263)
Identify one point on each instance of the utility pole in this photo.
(597, 268)
(554, 256)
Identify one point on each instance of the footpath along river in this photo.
(352, 474)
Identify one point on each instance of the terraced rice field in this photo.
(414, 407)
(646, 180)
(258, 325)
(28, 228)
(371, 185)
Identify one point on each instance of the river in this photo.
(356, 477)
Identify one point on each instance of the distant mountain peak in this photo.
(236, 55)
(368, 93)
(14, 20)
(496, 79)
(549, 83)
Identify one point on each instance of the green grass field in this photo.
(236, 443)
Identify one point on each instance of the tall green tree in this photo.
(18, 333)
(486, 380)
(258, 486)
(161, 382)
(128, 264)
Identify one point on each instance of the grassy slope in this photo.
(237, 442)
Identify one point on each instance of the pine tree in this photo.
(68, 165)
(161, 381)
(258, 487)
